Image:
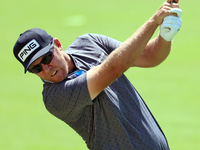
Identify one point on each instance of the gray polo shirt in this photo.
(118, 118)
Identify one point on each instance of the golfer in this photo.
(85, 87)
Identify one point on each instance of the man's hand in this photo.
(171, 25)
(164, 11)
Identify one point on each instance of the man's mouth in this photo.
(54, 73)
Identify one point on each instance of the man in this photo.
(84, 86)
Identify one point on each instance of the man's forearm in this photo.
(154, 53)
(119, 60)
(125, 55)
(159, 51)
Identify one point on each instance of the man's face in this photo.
(58, 69)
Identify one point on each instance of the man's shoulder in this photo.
(92, 36)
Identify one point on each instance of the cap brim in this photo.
(37, 55)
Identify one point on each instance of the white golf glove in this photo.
(171, 25)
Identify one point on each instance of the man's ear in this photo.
(58, 44)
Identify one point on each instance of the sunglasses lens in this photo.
(36, 69)
(45, 60)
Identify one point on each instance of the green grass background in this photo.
(171, 90)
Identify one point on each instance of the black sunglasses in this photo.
(45, 60)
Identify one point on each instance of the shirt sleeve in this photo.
(68, 99)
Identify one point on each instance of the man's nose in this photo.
(46, 67)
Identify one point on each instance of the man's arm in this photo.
(154, 53)
(159, 48)
(121, 59)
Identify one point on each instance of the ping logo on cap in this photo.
(28, 49)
